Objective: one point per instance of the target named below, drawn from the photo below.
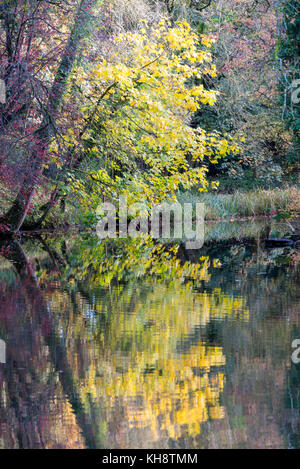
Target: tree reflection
(132, 345)
(37, 378)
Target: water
(127, 345)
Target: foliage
(247, 80)
(246, 204)
(142, 100)
(288, 58)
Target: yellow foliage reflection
(153, 361)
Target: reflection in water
(176, 354)
(152, 361)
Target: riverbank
(283, 203)
(241, 205)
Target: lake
(136, 344)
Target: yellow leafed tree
(138, 109)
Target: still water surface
(125, 357)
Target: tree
(21, 19)
(245, 56)
(142, 98)
(288, 54)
